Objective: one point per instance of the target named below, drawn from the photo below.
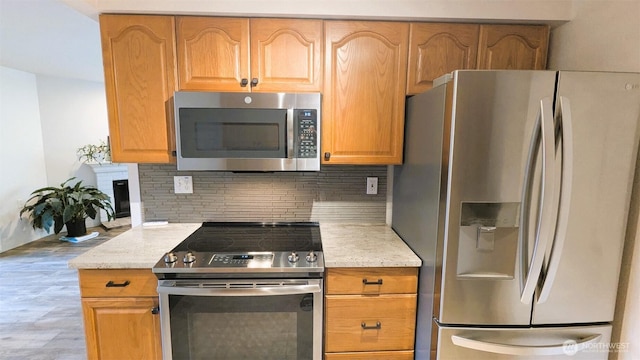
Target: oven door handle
(239, 291)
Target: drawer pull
(367, 282)
(377, 326)
(155, 310)
(112, 284)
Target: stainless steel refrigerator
(515, 192)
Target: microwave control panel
(307, 128)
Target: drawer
(379, 355)
(371, 281)
(117, 283)
(369, 323)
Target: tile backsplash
(336, 194)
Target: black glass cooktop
(253, 236)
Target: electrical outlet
(182, 185)
(372, 185)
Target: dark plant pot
(76, 228)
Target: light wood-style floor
(40, 312)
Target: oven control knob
(311, 256)
(293, 257)
(189, 258)
(170, 258)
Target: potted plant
(66, 205)
(95, 154)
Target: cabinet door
(286, 54)
(513, 47)
(438, 49)
(138, 54)
(213, 53)
(364, 92)
(122, 328)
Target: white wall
(605, 35)
(44, 121)
(22, 165)
(73, 113)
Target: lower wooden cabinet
(122, 328)
(363, 323)
(120, 310)
(380, 355)
(370, 313)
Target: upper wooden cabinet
(364, 92)
(213, 53)
(286, 55)
(438, 49)
(513, 47)
(233, 54)
(139, 66)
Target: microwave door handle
(291, 134)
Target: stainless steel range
(243, 291)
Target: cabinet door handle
(377, 326)
(254, 82)
(367, 282)
(244, 82)
(155, 310)
(327, 155)
(112, 284)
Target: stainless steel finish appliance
(247, 131)
(243, 291)
(515, 193)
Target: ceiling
(48, 37)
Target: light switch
(372, 185)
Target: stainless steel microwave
(247, 132)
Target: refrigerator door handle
(565, 192)
(567, 347)
(545, 224)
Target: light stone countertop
(349, 245)
(138, 248)
(343, 245)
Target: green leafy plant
(57, 206)
(92, 153)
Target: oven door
(241, 319)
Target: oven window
(233, 133)
(276, 327)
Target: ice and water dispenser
(488, 241)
